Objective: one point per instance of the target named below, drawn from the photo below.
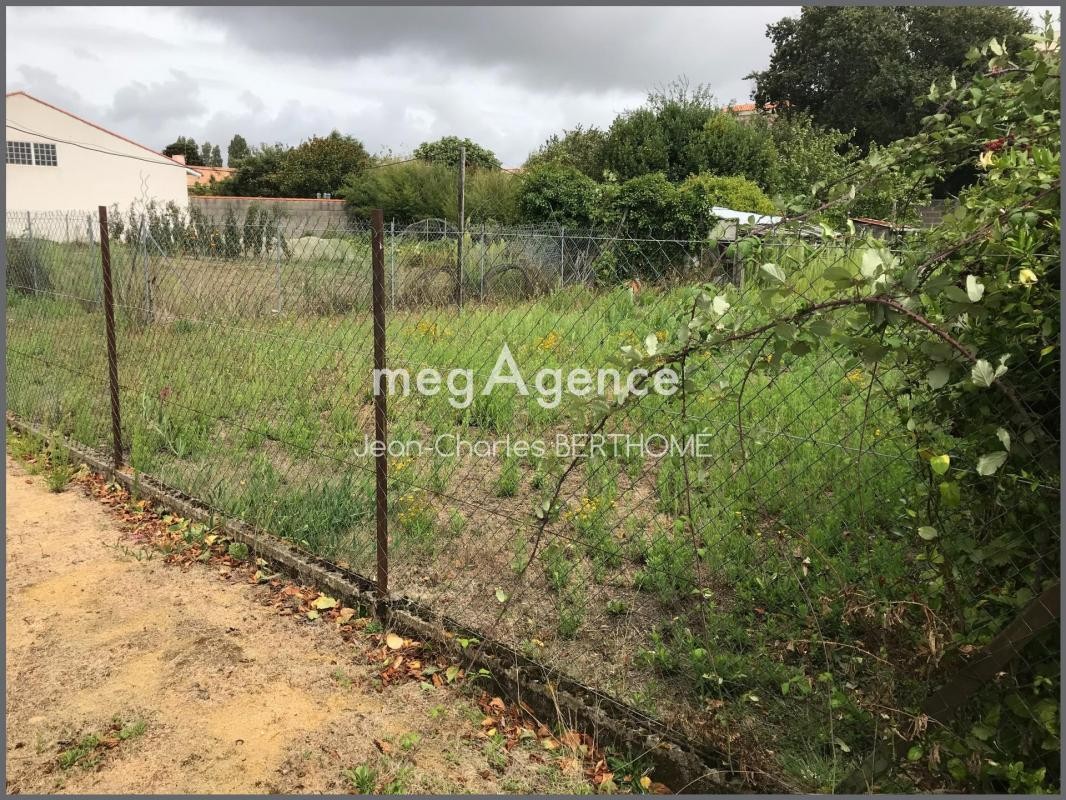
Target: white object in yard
(730, 218)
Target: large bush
(657, 225)
(702, 192)
(730, 146)
(636, 145)
(492, 196)
(405, 192)
(558, 194)
(448, 149)
(580, 148)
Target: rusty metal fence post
(381, 502)
(112, 348)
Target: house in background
(57, 161)
(207, 175)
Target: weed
(557, 565)
(237, 550)
(617, 607)
(363, 779)
(495, 751)
(669, 562)
(80, 752)
(571, 613)
(132, 730)
(341, 678)
(509, 478)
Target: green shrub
(26, 271)
(559, 194)
(701, 192)
(491, 196)
(404, 192)
(729, 146)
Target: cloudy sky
(391, 76)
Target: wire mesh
(737, 559)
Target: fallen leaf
(394, 642)
(345, 615)
(383, 746)
(324, 602)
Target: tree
(446, 151)
(682, 113)
(580, 148)
(321, 165)
(636, 145)
(859, 68)
(559, 194)
(205, 154)
(259, 173)
(730, 146)
(187, 147)
(216, 156)
(237, 151)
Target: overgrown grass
(728, 554)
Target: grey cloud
(170, 101)
(594, 48)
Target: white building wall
(84, 178)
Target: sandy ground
(232, 697)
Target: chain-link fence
(736, 557)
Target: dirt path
(197, 686)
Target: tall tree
(216, 156)
(237, 151)
(579, 148)
(205, 153)
(258, 173)
(860, 68)
(185, 146)
(321, 165)
(446, 151)
(664, 135)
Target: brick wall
(299, 214)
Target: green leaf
(774, 272)
(838, 274)
(720, 305)
(927, 532)
(914, 753)
(984, 374)
(501, 595)
(651, 344)
(871, 263)
(938, 376)
(957, 295)
(940, 464)
(950, 494)
(974, 289)
(1004, 438)
(988, 464)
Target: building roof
(205, 174)
(101, 128)
(749, 108)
